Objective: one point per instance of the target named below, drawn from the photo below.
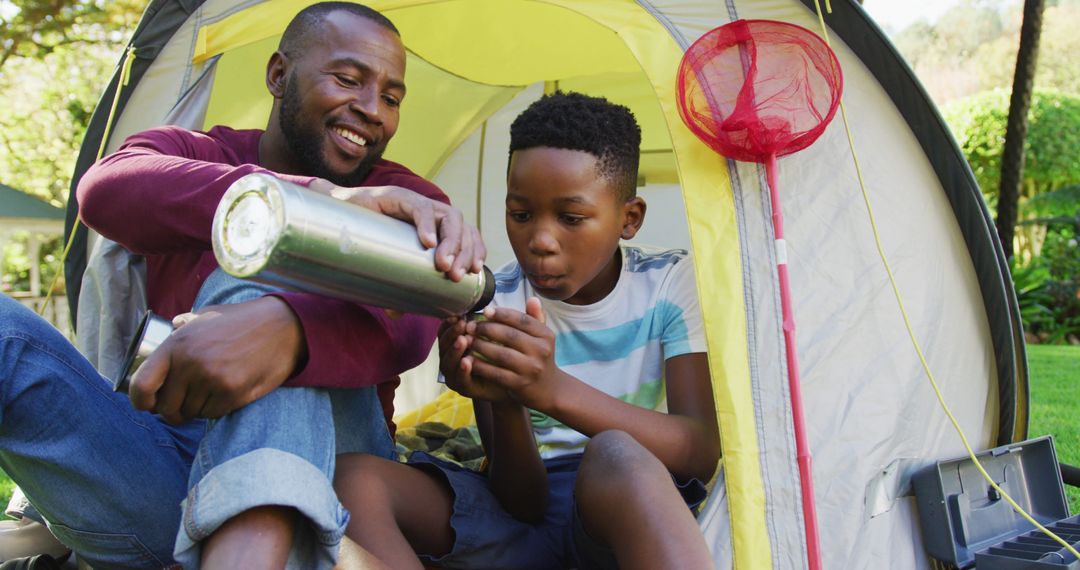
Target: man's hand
(225, 357)
(460, 248)
(516, 351)
(456, 366)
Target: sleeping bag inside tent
(872, 418)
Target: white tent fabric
(872, 416)
(867, 400)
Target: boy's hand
(518, 354)
(459, 247)
(456, 366)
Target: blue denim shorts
(486, 536)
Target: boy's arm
(520, 351)
(517, 474)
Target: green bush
(978, 123)
(1048, 287)
(15, 265)
(1049, 308)
(1046, 270)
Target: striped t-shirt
(618, 344)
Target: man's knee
(220, 288)
(294, 420)
(16, 318)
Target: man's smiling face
(342, 97)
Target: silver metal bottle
(275, 232)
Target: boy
(585, 360)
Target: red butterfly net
(756, 90)
(753, 89)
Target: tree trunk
(1012, 160)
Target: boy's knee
(617, 474)
(613, 450)
(616, 461)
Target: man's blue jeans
(110, 479)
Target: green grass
(1055, 403)
(1055, 408)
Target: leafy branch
(37, 28)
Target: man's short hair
(305, 25)
(591, 124)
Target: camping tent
(872, 417)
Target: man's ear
(277, 74)
(633, 217)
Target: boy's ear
(276, 74)
(633, 217)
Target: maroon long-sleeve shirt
(157, 195)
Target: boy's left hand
(520, 354)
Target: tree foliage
(36, 28)
(972, 48)
(978, 122)
(15, 266)
(1012, 161)
(55, 59)
(1046, 270)
(42, 126)
(1048, 286)
(1059, 69)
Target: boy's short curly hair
(594, 125)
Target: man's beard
(306, 143)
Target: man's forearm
(167, 188)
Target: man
(110, 479)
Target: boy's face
(564, 221)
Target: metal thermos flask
(272, 231)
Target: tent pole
(480, 175)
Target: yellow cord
(125, 77)
(907, 322)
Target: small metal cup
(152, 331)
